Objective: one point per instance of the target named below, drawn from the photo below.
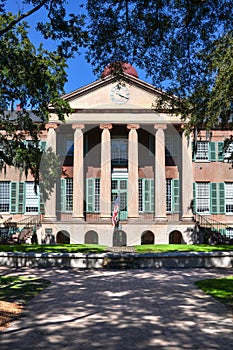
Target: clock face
(119, 94)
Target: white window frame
(69, 194)
(203, 197)
(229, 197)
(202, 151)
(229, 232)
(5, 196)
(32, 205)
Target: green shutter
(213, 198)
(220, 151)
(21, 198)
(63, 195)
(148, 195)
(175, 196)
(17, 197)
(194, 198)
(90, 195)
(212, 151)
(43, 145)
(221, 188)
(14, 197)
(41, 204)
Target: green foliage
(21, 289)
(185, 46)
(219, 288)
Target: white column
(160, 176)
(133, 171)
(50, 203)
(187, 178)
(105, 181)
(78, 173)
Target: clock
(119, 94)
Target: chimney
(18, 107)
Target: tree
(184, 45)
(33, 78)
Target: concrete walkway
(121, 310)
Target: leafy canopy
(186, 46)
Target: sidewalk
(121, 310)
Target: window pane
(202, 152)
(32, 198)
(169, 195)
(4, 197)
(229, 197)
(69, 194)
(203, 197)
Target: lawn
(165, 248)
(15, 291)
(53, 248)
(95, 248)
(219, 288)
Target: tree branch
(21, 17)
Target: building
(116, 146)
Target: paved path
(121, 310)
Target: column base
(78, 218)
(49, 218)
(160, 219)
(187, 218)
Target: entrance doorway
(120, 189)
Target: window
(229, 197)
(66, 191)
(172, 196)
(172, 145)
(229, 232)
(146, 195)
(202, 151)
(168, 195)
(31, 198)
(93, 195)
(69, 195)
(205, 151)
(119, 150)
(202, 197)
(4, 197)
(228, 152)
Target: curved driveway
(121, 310)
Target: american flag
(115, 212)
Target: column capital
(78, 126)
(51, 126)
(133, 126)
(105, 126)
(160, 126)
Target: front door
(119, 188)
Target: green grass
(219, 288)
(20, 289)
(95, 248)
(165, 248)
(54, 248)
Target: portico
(120, 147)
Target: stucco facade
(116, 144)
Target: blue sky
(79, 71)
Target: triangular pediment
(128, 93)
(112, 100)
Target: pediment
(108, 93)
(131, 98)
